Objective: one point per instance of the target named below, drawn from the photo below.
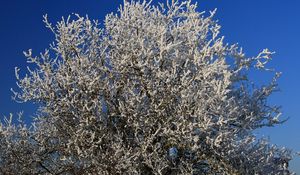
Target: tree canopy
(154, 91)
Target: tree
(156, 91)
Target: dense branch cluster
(156, 91)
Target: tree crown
(156, 91)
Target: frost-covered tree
(154, 91)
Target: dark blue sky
(254, 24)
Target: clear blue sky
(254, 24)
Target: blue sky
(254, 24)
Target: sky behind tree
(254, 24)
